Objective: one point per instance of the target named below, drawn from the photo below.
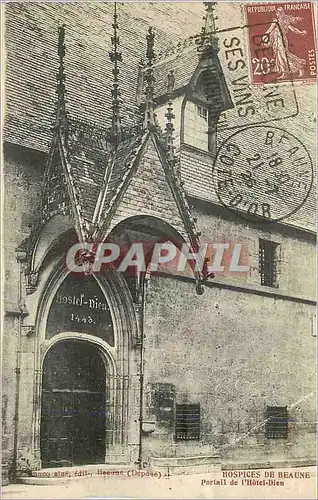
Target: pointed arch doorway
(73, 408)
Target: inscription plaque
(79, 305)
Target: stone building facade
(155, 370)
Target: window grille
(268, 262)
(187, 422)
(276, 426)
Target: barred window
(187, 422)
(268, 252)
(276, 422)
(163, 401)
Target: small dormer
(190, 75)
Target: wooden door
(73, 409)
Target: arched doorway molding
(127, 321)
(106, 351)
(111, 378)
(116, 292)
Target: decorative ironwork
(169, 139)
(115, 57)
(61, 115)
(187, 422)
(268, 262)
(149, 121)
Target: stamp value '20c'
(281, 42)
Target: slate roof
(204, 188)
(88, 186)
(97, 170)
(30, 83)
(160, 190)
(119, 167)
(30, 74)
(183, 60)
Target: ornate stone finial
(32, 282)
(115, 57)
(140, 82)
(208, 41)
(149, 121)
(60, 78)
(86, 259)
(169, 139)
(170, 81)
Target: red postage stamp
(281, 40)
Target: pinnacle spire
(115, 57)
(149, 119)
(169, 139)
(209, 40)
(60, 78)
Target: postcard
(159, 241)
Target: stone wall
(235, 349)
(22, 178)
(296, 254)
(234, 353)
